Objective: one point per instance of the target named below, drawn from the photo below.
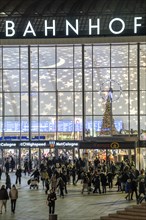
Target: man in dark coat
(18, 175)
(51, 201)
(3, 198)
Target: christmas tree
(108, 126)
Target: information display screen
(48, 126)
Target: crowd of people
(56, 174)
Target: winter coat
(13, 193)
(128, 187)
(142, 187)
(18, 172)
(4, 194)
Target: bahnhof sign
(73, 80)
(70, 30)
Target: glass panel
(34, 103)
(77, 57)
(48, 128)
(120, 76)
(12, 103)
(65, 57)
(119, 124)
(24, 57)
(11, 80)
(24, 128)
(34, 127)
(142, 78)
(119, 55)
(143, 102)
(120, 106)
(47, 57)
(34, 80)
(98, 104)
(47, 103)
(78, 126)
(64, 80)
(88, 126)
(132, 55)
(78, 79)
(88, 79)
(65, 128)
(24, 104)
(143, 55)
(88, 56)
(133, 78)
(65, 103)
(47, 80)
(134, 125)
(100, 76)
(97, 122)
(125, 123)
(24, 80)
(34, 57)
(101, 56)
(78, 103)
(1, 80)
(1, 104)
(143, 127)
(1, 128)
(88, 103)
(133, 103)
(11, 127)
(11, 57)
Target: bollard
(52, 217)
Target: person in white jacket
(13, 193)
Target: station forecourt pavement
(31, 203)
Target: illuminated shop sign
(8, 145)
(115, 145)
(49, 28)
(107, 145)
(33, 144)
(66, 144)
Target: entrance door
(66, 153)
(11, 155)
(47, 153)
(24, 155)
(35, 157)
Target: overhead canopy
(36, 11)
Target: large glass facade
(68, 92)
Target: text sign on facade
(74, 28)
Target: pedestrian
(61, 186)
(8, 181)
(12, 164)
(128, 189)
(142, 188)
(36, 174)
(3, 198)
(44, 177)
(134, 188)
(7, 166)
(18, 175)
(51, 201)
(13, 196)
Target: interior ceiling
(67, 7)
